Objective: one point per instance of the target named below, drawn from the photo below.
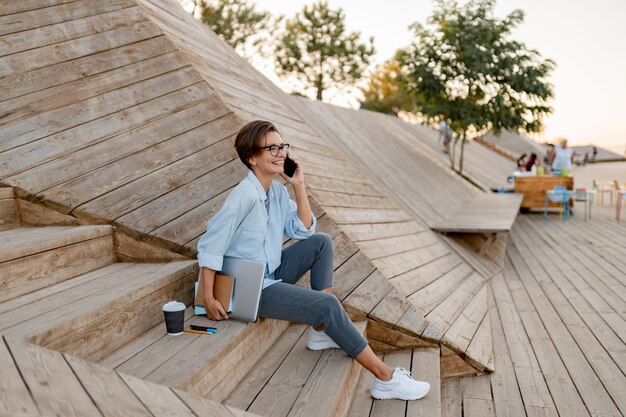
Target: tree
(317, 50)
(238, 23)
(469, 72)
(386, 91)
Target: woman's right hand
(215, 310)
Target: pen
(197, 331)
(203, 328)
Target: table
(534, 189)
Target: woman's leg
(303, 305)
(315, 254)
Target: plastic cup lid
(173, 306)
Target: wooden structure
(534, 189)
(116, 132)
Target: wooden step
(291, 380)
(37, 257)
(61, 384)
(96, 313)
(9, 217)
(197, 363)
(424, 366)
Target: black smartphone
(289, 167)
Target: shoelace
(402, 375)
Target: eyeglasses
(275, 149)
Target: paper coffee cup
(174, 317)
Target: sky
(586, 39)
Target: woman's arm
(302, 201)
(214, 309)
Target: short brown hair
(249, 139)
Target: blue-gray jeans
(287, 301)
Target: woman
(251, 224)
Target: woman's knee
(330, 307)
(324, 241)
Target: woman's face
(264, 163)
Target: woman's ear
(252, 161)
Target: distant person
(446, 134)
(595, 153)
(521, 162)
(563, 157)
(549, 157)
(585, 158)
(532, 161)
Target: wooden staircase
(64, 288)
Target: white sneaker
(320, 340)
(401, 386)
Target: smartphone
(289, 167)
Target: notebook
(246, 289)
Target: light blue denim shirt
(251, 225)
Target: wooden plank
(146, 180)
(372, 231)
(77, 48)
(109, 104)
(442, 316)
(350, 274)
(6, 192)
(335, 199)
(23, 242)
(564, 392)
(239, 361)
(452, 366)
(32, 214)
(425, 367)
(451, 398)
(564, 323)
(131, 250)
(362, 401)
(51, 34)
(27, 274)
(158, 399)
(504, 384)
(203, 407)
(245, 392)
(281, 391)
(26, 299)
(54, 77)
(390, 408)
(9, 217)
(323, 183)
(185, 109)
(121, 153)
(344, 215)
(42, 370)
(165, 209)
(15, 398)
(26, 5)
(480, 349)
(395, 265)
(429, 297)
(39, 17)
(382, 248)
(107, 390)
(416, 279)
(391, 309)
(367, 295)
(531, 383)
(329, 388)
(465, 326)
(387, 338)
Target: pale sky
(587, 39)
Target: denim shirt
(251, 225)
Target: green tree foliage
(317, 50)
(468, 70)
(386, 91)
(239, 24)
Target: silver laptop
(247, 289)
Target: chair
(621, 196)
(581, 195)
(559, 195)
(602, 187)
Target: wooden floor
(558, 315)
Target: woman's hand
(298, 176)
(214, 309)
